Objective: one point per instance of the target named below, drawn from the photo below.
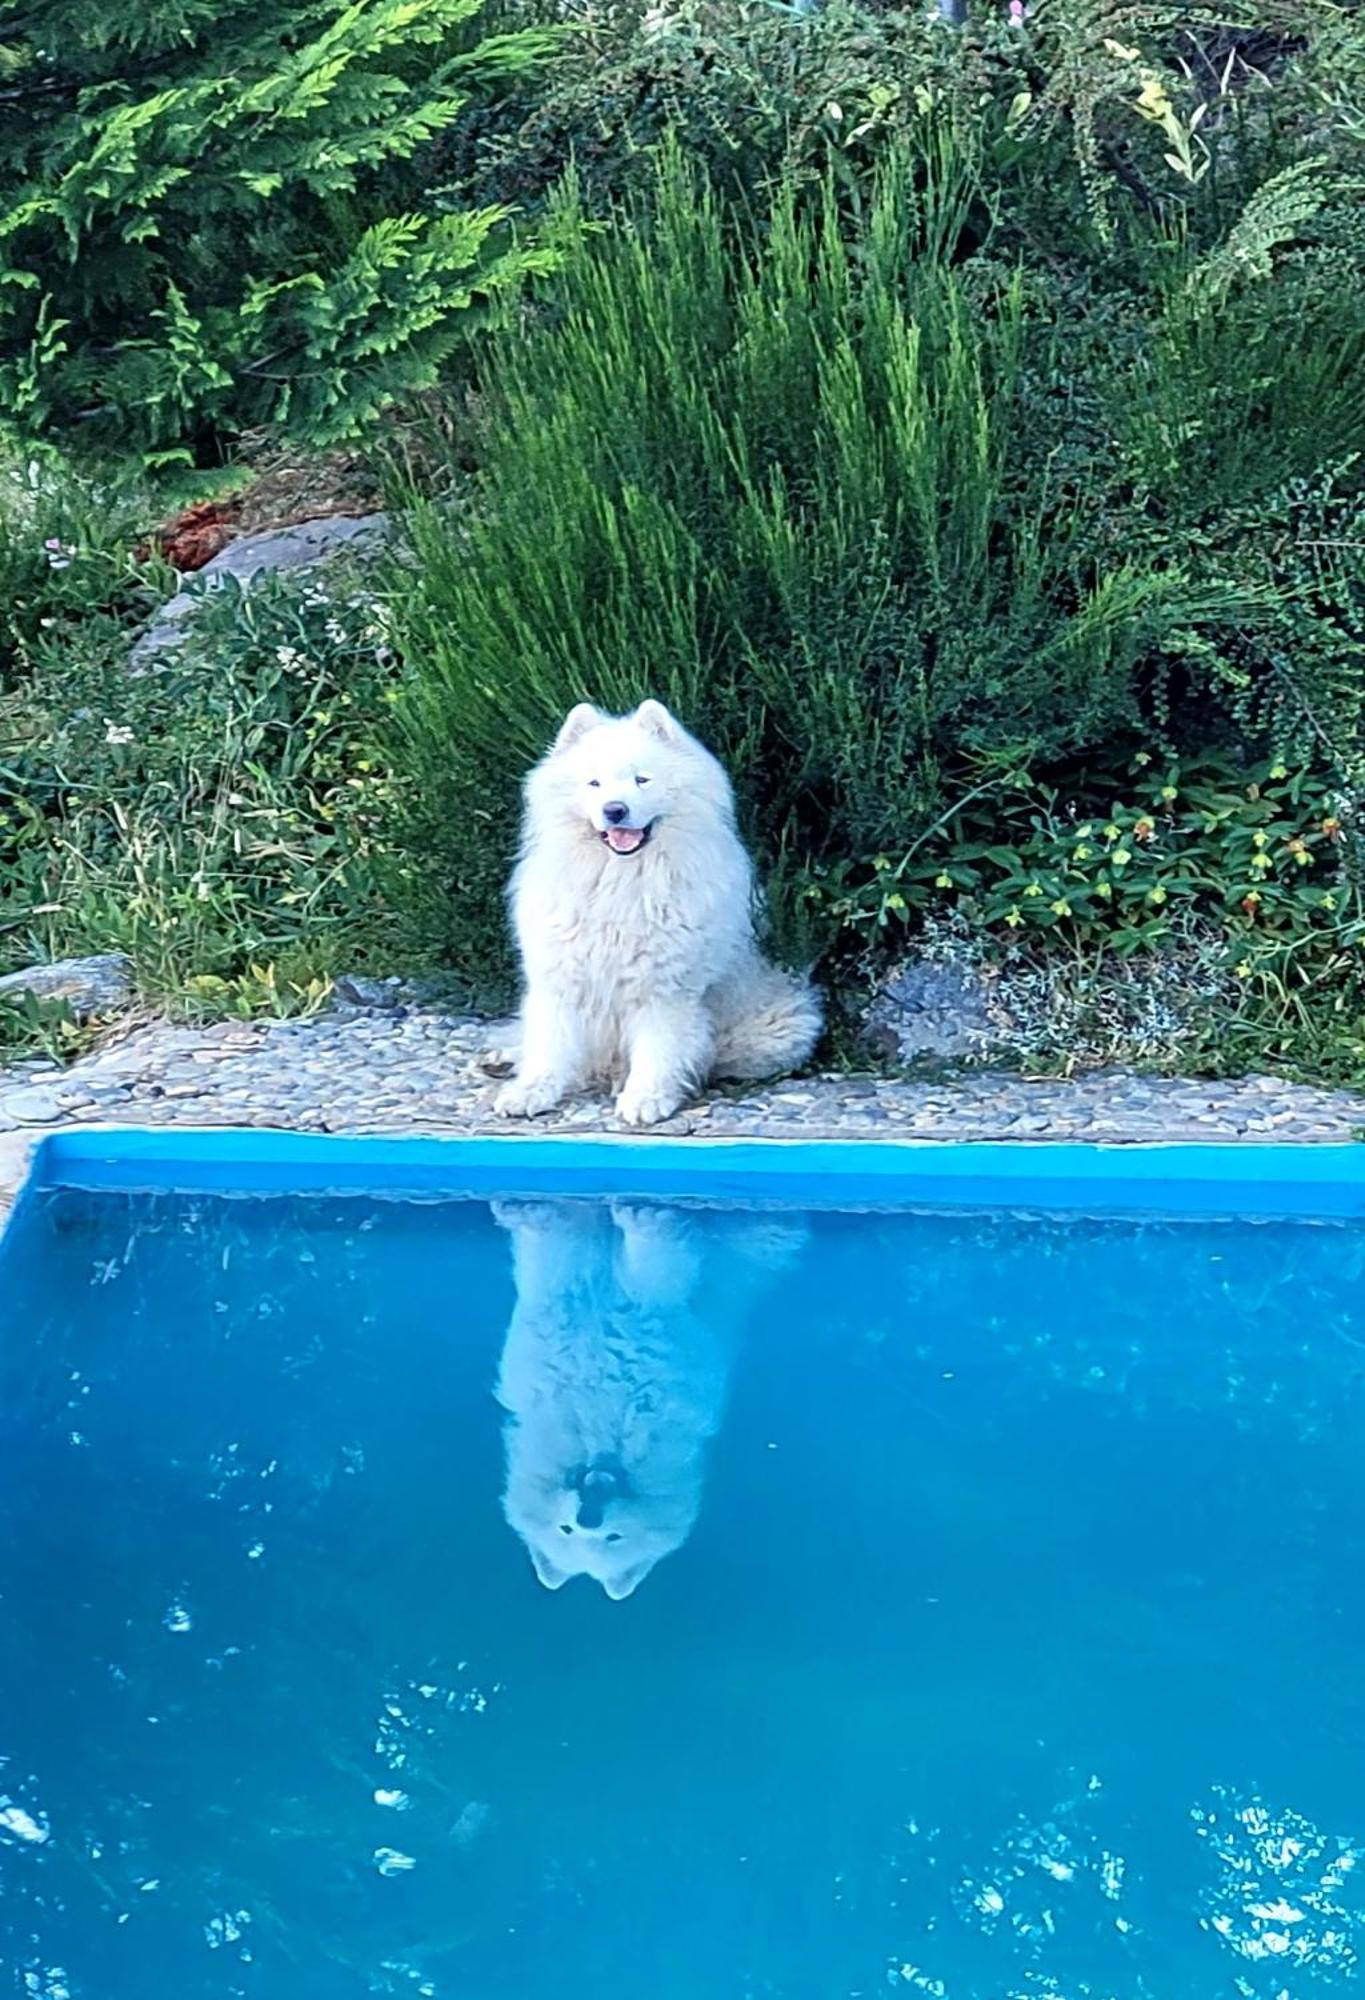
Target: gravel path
(370, 1070)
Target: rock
(31, 1107)
(89, 986)
(394, 995)
(296, 547)
(353, 990)
(922, 1008)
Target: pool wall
(1259, 1181)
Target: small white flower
(117, 732)
(288, 657)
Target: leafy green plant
(29, 1025)
(209, 218)
(1269, 857)
(217, 817)
(67, 553)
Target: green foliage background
(216, 215)
(963, 429)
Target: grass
(218, 818)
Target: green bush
(218, 817)
(1103, 109)
(880, 520)
(1272, 858)
(209, 218)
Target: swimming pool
(555, 1568)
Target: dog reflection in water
(614, 1371)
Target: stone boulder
(252, 556)
(89, 986)
(924, 1009)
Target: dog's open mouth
(627, 839)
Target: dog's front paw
(527, 1097)
(646, 1105)
(542, 1217)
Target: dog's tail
(774, 1027)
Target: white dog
(614, 1371)
(633, 905)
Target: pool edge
(1266, 1178)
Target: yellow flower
(1105, 889)
(1169, 792)
(1278, 771)
(1014, 919)
(1243, 970)
(1157, 895)
(895, 902)
(1121, 857)
(1259, 839)
(1061, 908)
(943, 881)
(1261, 861)
(1143, 757)
(1329, 901)
(1111, 832)
(1034, 889)
(1082, 852)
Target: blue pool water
(965, 1604)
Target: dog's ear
(577, 723)
(549, 1574)
(655, 720)
(628, 1582)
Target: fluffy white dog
(633, 905)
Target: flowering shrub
(1269, 855)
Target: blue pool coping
(1262, 1180)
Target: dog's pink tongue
(624, 839)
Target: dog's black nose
(596, 1487)
(615, 812)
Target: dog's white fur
(614, 1372)
(640, 960)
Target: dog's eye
(639, 780)
(595, 784)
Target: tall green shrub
(820, 495)
(209, 217)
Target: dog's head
(621, 779)
(597, 1520)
